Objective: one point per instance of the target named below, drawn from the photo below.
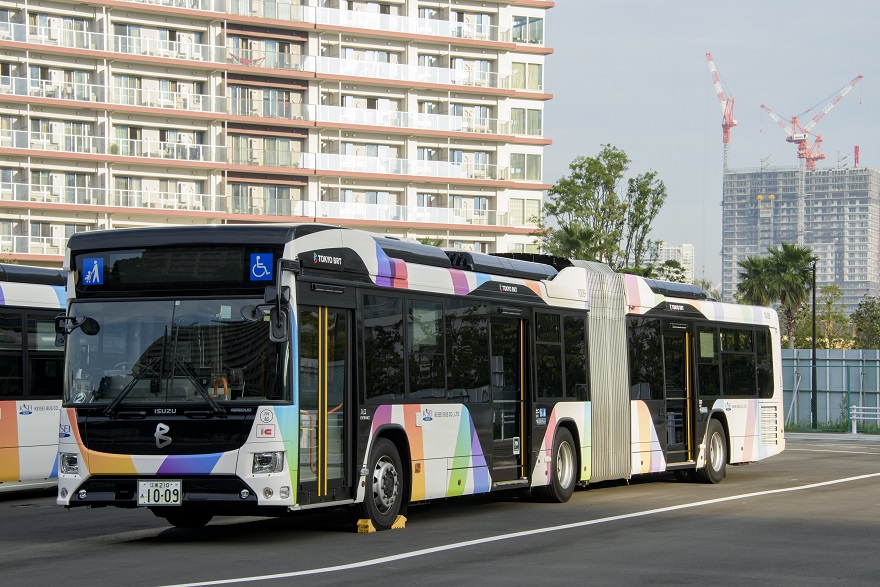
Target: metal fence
(843, 379)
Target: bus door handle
(199, 414)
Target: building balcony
(166, 99)
(392, 166)
(52, 36)
(173, 151)
(409, 73)
(414, 120)
(285, 10)
(396, 213)
(169, 49)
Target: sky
(634, 74)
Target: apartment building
(683, 254)
(409, 117)
(841, 211)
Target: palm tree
(754, 282)
(790, 278)
(784, 278)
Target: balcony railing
(269, 59)
(57, 37)
(269, 157)
(68, 143)
(33, 245)
(387, 165)
(175, 151)
(285, 10)
(270, 109)
(407, 72)
(166, 99)
(169, 49)
(22, 86)
(388, 118)
(261, 205)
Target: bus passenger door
(323, 397)
(508, 383)
(679, 379)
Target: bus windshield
(171, 351)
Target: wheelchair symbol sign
(261, 267)
(93, 271)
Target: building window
(526, 122)
(525, 166)
(528, 30)
(527, 76)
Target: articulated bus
(31, 375)
(265, 369)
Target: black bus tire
(386, 486)
(715, 468)
(563, 469)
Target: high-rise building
(841, 211)
(684, 254)
(415, 118)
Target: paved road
(807, 517)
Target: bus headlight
(68, 463)
(268, 462)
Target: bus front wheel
(563, 469)
(716, 454)
(386, 486)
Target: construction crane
(807, 154)
(800, 135)
(727, 121)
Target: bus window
(45, 360)
(549, 355)
(765, 364)
(645, 359)
(738, 368)
(708, 362)
(427, 363)
(575, 334)
(11, 354)
(467, 330)
(383, 347)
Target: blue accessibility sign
(93, 271)
(261, 267)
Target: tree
(707, 286)
(784, 278)
(754, 282)
(596, 222)
(791, 278)
(832, 325)
(866, 324)
(670, 270)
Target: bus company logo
(427, 415)
(676, 307)
(326, 259)
(165, 411)
(447, 414)
(25, 410)
(266, 431)
(507, 288)
(728, 406)
(64, 431)
(160, 435)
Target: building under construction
(841, 224)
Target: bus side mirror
(277, 325)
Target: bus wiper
(216, 408)
(148, 369)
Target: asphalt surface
(807, 517)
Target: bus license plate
(152, 493)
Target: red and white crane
(799, 135)
(807, 154)
(727, 120)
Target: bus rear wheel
(563, 469)
(716, 454)
(386, 486)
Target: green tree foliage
(866, 324)
(670, 270)
(832, 325)
(595, 220)
(784, 277)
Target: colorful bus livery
(30, 375)
(263, 369)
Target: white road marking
(512, 535)
(850, 452)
